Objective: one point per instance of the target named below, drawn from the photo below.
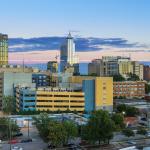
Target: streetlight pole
(28, 127)
(9, 135)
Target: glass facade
(3, 49)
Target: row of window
(61, 101)
(55, 106)
(44, 95)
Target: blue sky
(129, 19)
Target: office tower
(3, 49)
(96, 67)
(138, 69)
(67, 54)
(52, 66)
(125, 67)
(147, 73)
(110, 65)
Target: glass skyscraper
(67, 54)
(3, 49)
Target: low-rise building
(129, 89)
(9, 79)
(25, 97)
(41, 79)
(54, 99)
(17, 69)
(98, 94)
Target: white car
(17, 148)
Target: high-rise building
(52, 66)
(110, 65)
(3, 49)
(67, 54)
(138, 69)
(147, 73)
(125, 67)
(95, 67)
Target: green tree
(121, 108)
(8, 104)
(42, 122)
(118, 78)
(141, 131)
(118, 120)
(128, 110)
(131, 111)
(128, 132)
(147, 88)
(57, 134)
(7, 126)
(133, 77)
(100, 127)
(71, 129)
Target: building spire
(69, 35)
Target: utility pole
(9, 135)
(28, 127)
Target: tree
(131, 111)
(42, 122)
(133, 77)
(119, 121)
(100, 127)
(128, 132)
(8, 104)
(128, 110)
(57, 134)
(141, 131)
(121, 108)
(7, 125)
(147, 88)
(71, 129)
(118, 78)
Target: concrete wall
(9, 79)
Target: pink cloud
(45, 56)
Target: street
(37, 143)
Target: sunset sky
(125, 19)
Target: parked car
(17, 148)
(131, 142)
(26, 140)
(50, 146)
(13, 141)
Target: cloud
(82, 44)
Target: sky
(97, 18)
(128, 20)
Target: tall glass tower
(3, 49)
(67, 53)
